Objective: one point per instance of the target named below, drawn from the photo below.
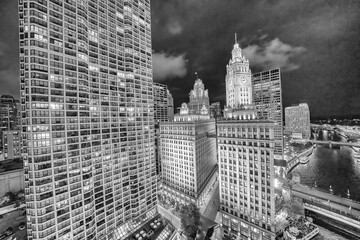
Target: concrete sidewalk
(10, 208)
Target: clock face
(243, 80)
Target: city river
(335, 167)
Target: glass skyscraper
(88, 125)
(268, 101)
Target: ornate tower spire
(236, 39)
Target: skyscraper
(268, 101)
(170, 106)
(246, 173)
(188, 159)
(9, 117)
(246, 158)
(238, 79)
(88, 124)
(297, 121)
(160, 102)
(163, 105)
(188, 150)
(239, 92)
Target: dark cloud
(315, 43)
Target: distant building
(170, 106)
(163, 112)
(246, 173)
(188, 159)
(199, 99)
(11, 144)
(215, 110)
(297, 121)
(160, 93)
(268, 102)
(10, 118)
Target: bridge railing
(352, 213)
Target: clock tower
(238, 80)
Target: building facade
(268, 102)
(170, 106)
(188, 159)
(10, 118)
(199, 99)
(88, 120)
(297, 120)
(238, 80)
(215, 110)
(11, 144)
(160, 102)
(246, 173)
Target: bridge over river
(341, 209)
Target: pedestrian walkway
(10, 208)
(210, 199)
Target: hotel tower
(87, 109)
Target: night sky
(315, 43)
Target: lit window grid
(187, 158)
(236, 194)
(267, 96)
(95, 138)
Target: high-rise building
(239, 96)
(238, 80)
(11, 140)
(199, 99)
(188, 150)
(160, 102)
(9, 118)
(88, 121)
(246, 173)
(188, 159)
(297, 121)
(268, 101)
(163, 112)
(170, 104)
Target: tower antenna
(236, 39)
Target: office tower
(297, 121)
(163, 112)
(170, 105)
(188, 159)
(215, 110)
(11, 140)
(9, 116)
(246, 173)
(199, 99)
(188, 150)
(88, 125)
(238, 79)
(239, 97)
(160, 102)
(268, 101)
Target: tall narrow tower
(88, 125)
(238, 79)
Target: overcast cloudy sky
(316, 43)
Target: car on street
(22, 226)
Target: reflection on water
(335, 167)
